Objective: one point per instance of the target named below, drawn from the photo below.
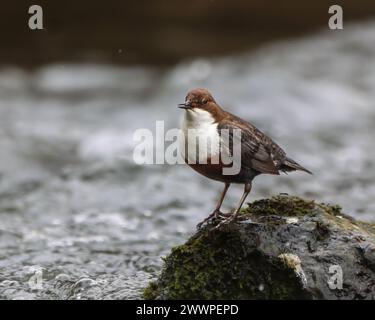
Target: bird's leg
(234, 215)
(216, 213)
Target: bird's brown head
(198, 98)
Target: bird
(259, 154)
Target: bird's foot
(222, 216)
(227, 220)
(217, 214)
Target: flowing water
(79, 219)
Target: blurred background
(75, 206)
(160, 32)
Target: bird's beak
(186, 105)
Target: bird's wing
(258, 152)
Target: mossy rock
(280, 248)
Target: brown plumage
(259, 153)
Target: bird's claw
(222, 216)
(226, 221)
(217, 214)
(199, 225)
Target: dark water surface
(73, 204)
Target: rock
(290, 249)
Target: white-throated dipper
(204, 118)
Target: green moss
(337, 218)
(151, 291)
(281, 206)
(222, 269)
(333, 210)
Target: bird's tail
(290, 165)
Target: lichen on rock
(280, 248)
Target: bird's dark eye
(204, 101)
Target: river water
(79, 219)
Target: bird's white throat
(197, 118)
(201, 137)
